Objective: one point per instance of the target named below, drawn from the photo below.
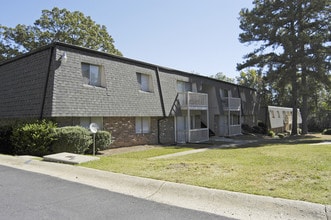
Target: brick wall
(124, 133)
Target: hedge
(102, 142)
(33, 138)
(72, 139)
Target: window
(143, 125)
(234, 118)
(183, 86)
(144, 82)
(92, 75)
(243, 96)
(225, 93)
(86, 121)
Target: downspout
(241, 107)
(162, 104)
(46, 83)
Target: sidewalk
(230, 204)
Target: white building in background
(279, 119)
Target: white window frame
(143, 125)
(145, 82)
(93, 75)
(183, 86)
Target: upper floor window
(184, 86)
(92, 75)
(225, 93)
(243, 96)
(145, 82)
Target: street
(28, 195)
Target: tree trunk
(304, 110)
(294, 103)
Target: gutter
(162, 104)
(46, 82)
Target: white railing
(193, 135)
(198, 135)
(232, 103)
(193, 100)
(234, 130)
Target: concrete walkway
(230, 204)
(232, 143)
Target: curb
(220, 202)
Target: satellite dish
(94, 128)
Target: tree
(253, 79)
(56, 25)
(293, 40)
(221, 76)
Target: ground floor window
(234, 119)
(86, 121)
(143, 125)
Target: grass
(294, 170)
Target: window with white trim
(184, 86)
(92, 75)
(145, 82)
(143, 125)
(86, 121)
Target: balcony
(198, 135)
(193, 135)
(193, 100)
(234, 130)
(232, 104)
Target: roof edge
(61, 44)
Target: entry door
(223, 125)
(181, 129)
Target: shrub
(327, 131)
(281, 135)
(102, 141)
(33, 138)
(72, 139)
(271, 133)
(5, 143)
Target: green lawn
(299, 171)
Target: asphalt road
(28, 195)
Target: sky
(195, 36)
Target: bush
(271, 133)
(281, 135)
(33, 138)
(72, 139)
(5, 143)
(102, 141)
(327, 131)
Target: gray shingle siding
(22, 86)
(23, 80)
(120, 97)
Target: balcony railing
(234, 130)
(193, 135)
(193, 100)
(231, 103)
(198, 135)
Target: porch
(193, 135)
